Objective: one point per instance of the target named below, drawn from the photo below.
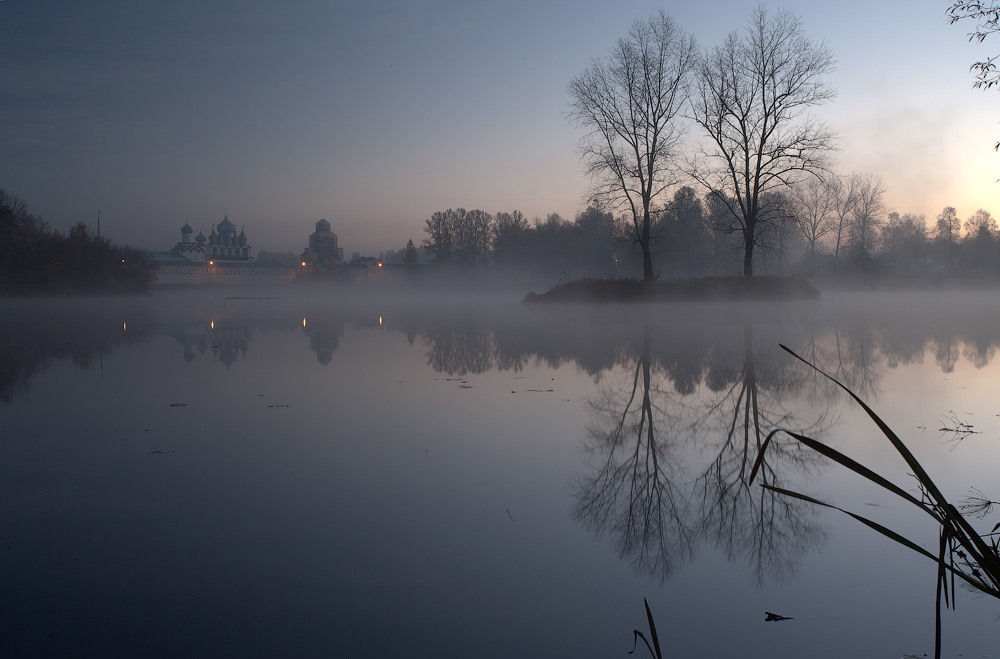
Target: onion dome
(242, 240)
(226, 227)
(200, 239)
(186, 229)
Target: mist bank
(464, 333)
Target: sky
(375, 114)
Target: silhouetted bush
(34, 258)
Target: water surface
(203, 473)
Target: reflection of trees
(462, 349)
(34, 334)
(766, 530)
(633, 497)
(638, 498)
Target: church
(322, 251)
(225, 258)
(222, 244)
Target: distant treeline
(35, 258)
(835, 228)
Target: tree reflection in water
(634, 497)
(768, 532)
(643, 496)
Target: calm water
(200, 475)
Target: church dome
(200, 239)
(186, 229)
(225, 226)
(322, 225)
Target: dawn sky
(374, 114)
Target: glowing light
(303, 264)
(380, 265)
(211, 262)
(212, 324)
(303, 322)
(380, 320)
(123, 260)
(124, 327)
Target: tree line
(832, 226)
(754, 191)
(35, 258)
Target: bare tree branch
(630, 103)
(751, 100)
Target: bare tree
(949, 226)
(981, 222)
(440, 241)
(904, 239)
(509, 231)
(845, 197)
(867, 216)
(480, 225)
(947, 231)
(630, 104)
(752, 96)
(814, 212)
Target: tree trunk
(748, 253)
(647, 260)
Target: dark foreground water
(214, 474)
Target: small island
(709, 289)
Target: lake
(312, 473)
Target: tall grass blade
(981, 568)
(897, 443)
(636, 635)
(652, 630)
(946, 514)
(887, 532)
(847, 462)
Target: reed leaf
(981, 568)
(636, 635)
(845, 461)
(652, 630)
(887, 532)
(897, 443)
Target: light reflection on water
(299, 477)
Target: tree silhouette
(629, 103)
(752, 95)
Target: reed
(963, 553)
(654, 649)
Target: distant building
(222, 244)
(225, 245)
(322, 251)
(367, 267)
(223, 258)
(193, 249)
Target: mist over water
(279, 472)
